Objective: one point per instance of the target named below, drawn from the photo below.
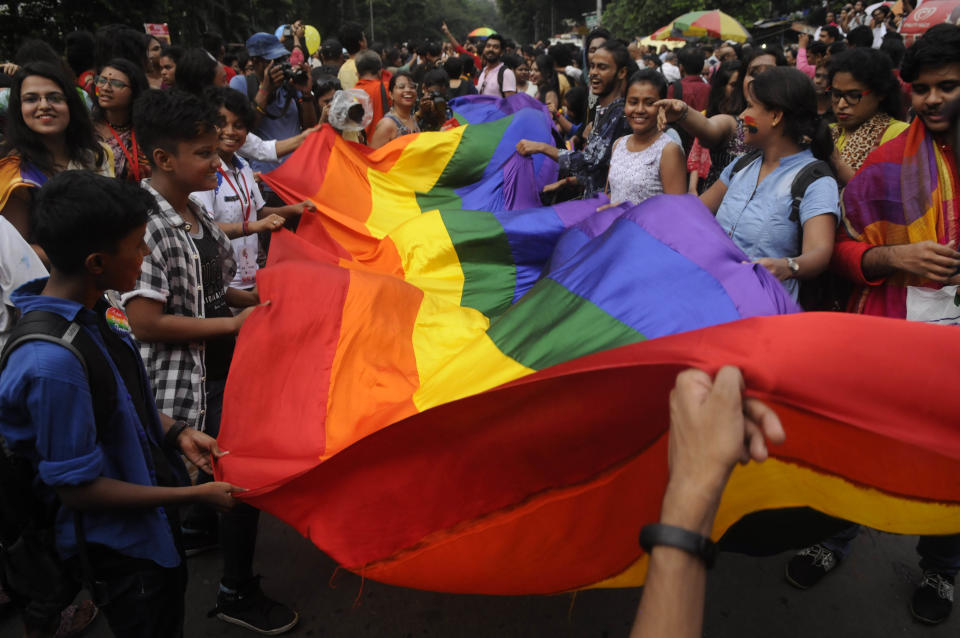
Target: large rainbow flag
(476, 400)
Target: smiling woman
(48, 131)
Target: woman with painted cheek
(118, 85)
(647, 162)
(48, 131)
(866, 102)
(753, 200)
(721, 131)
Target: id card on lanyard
(246, 192)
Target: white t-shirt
(258, 149)
(235, 199)
(19, 264)
(487, 82)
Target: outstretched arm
(712, 132)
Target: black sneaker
(933, 598)
(810, 565)
(251, 609)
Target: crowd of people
(131, 166)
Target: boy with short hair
(180, 313)
(92, 228)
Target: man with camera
(280, 93)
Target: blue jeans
(938, 553)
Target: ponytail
(791, 92)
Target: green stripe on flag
(467, 164)
(550, 325)
(489, 275)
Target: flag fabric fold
(474, 398)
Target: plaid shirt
(171, 275)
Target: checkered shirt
(171, 274)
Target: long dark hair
(718, 101)
(81, 143)
(873, 68)
(136, 78)
(791, 92)
(548, 77)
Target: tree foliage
(236, 20)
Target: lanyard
(132, 161)
(246, 211)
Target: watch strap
(170, 438)
(690, 542)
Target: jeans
(937, 553)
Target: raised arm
(712, 132)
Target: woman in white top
(647, 162)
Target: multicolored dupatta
(905, 192)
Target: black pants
(238, 527)
(146, 602)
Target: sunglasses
(851, 97)
(99, 80)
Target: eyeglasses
(760, 68)
(851, 97)
(99, 80)
(54, 99)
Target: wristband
(170, 438)
(690, 542)
(246, 228)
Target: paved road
(866, 597)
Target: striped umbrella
(714, 24)
(481, 32)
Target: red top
(696, 92)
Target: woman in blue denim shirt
(753, 205)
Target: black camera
(291, 74)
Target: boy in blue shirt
(125, 482)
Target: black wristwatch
(690, 542)
(170, 438)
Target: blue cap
(266, 46)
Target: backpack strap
(743, 161)
(384, 102)
(807, 176)
(500, 73)
(40, 325)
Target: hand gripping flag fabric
(476, 400)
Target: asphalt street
(867, 596)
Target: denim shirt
(46, 414)
(757, 217)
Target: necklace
(409, 122)
(120, 128)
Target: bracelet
(170, 438)
(683, 115)
(246, 228)
(690, 542)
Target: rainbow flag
(476, 400)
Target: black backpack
(827, 291)
(30, 567)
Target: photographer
(433, 112)
(280, 93)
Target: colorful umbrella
(714, 24)
(928, 14)
(481, 32)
